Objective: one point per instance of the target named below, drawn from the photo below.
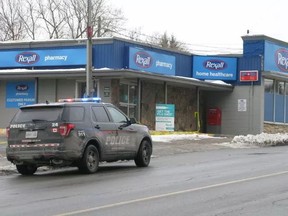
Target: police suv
(75, 132)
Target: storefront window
(269, 88)
(128, 99)
(81, 89)
(279, 87)
(124, 93)
(276, 101)
(132, 94)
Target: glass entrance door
(128, 99)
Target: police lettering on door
(117, 140)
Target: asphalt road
(159, 149)
(220, 182)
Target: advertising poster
(20, 93)
(165, 116)
(242, 105)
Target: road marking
(171, 194)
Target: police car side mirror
(129, 122)
(133, 121)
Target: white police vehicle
(75, 132)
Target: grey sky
(211, 23)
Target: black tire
(26, 169)
(90, 160)
(144, 154)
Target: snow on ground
(262, 140)
(173, 137)
(247, 141)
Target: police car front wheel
(144, 154)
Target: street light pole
(89, 83)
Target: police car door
(126, 133)
(105, 132)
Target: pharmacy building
(166, 90)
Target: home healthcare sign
(165, 116)
(214, 68)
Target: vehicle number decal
(55, 124)
(81, 133)
(117, 140)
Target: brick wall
(185, 100)
(115, 92)
(275, 128)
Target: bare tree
(34, 19)
(10, 23)
(75, 17)
(166, 42)
(176, 45)
(111, 21)
(30, 18)
(51, 13)
(104, 20)
(135, 34)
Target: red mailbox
(214, 116)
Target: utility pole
(89, 83)
(99, 27)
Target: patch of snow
(172, 137)
(217, 82)
(241, 141)
(188, 78)
(261, 140)
(104, 68)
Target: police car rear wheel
(90, 161)
(144, 154)
(26, 169)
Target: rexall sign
(43, 57)
(214, 68)
(276, 57)
(144, 60)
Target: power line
(194, 48)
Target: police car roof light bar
(93, 99)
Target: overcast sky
(212, 23)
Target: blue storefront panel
(269, 107)
(279, 108)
